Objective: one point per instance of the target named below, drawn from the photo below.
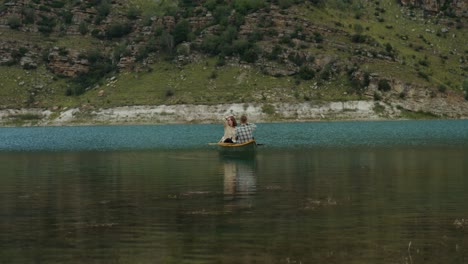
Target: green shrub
(211, 45)
(181, 32)
(275, 52)
(366, 80)
(118, 30)
(358, 38)
(14, 22)
(133, 12)
(296, 59)
(83, 28)
(465, 88)
(104, 8)
(318, 37)
(268, 109)
(142, 53)
(326, 72)
(99, 67)
(166, 42)
(388, 48)
(423, 75)
(305, 73)
(214, 75)
(240, 46)
(56, 4)
(23, 51)
(221, 13)
(17, 54)
(26, 117)
(377, 96)
(183, 50)
(251, 54)
(358, 28)
(284, 4)
(248, 6)
(358, 86)
(169, 93)
(384, 85)
(378, 108)
(67, 16)
(46, 24)
(286, 39)
(255, 36)
(424, 63)
(442, 88)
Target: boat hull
(247, 147)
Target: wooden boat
(237, 150)
(247, 146)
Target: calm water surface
(341, 192)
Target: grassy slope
(204, 83)
(395, 25)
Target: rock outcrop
(450, 7)
(307, 111)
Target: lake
(320, 192)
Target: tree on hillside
(181, 32)
(465, 88)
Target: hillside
(405, 57)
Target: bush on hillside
(318, 37)
(358, 38)
(67, 16)
(465, 88)
(284, 4)
(133, 12)
(326, 72)
(118, 30)
(275, 53)
(211, 45)
(46, 24)
(28, 15)
(251, 54)
(104, 8)
(296, 58)
(248, 6)
(14, 22)
(384, 85)
(181, 32)
(221, 14)
(442, 88)
(83, 28)
(305, 73)
(99, 67)
(358, 86)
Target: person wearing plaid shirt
(244, 132)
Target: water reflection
(329, 205)
(239, 180)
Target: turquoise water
(344, 192)
(340, 134)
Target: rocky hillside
(458, 8)
(405, 55)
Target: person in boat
(230, 125)
(244, 132)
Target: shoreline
(362, 110)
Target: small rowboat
(247, 146)
(237, 149)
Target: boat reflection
(239, 180)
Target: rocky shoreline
(173, 114)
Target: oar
(215, 144)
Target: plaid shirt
(244, 132)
